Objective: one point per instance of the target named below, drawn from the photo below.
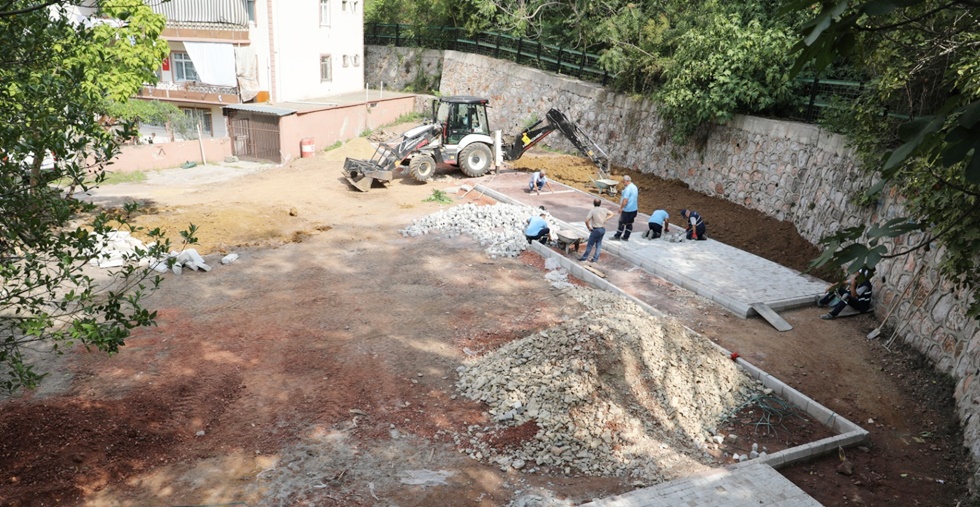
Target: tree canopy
(921, 58)
(57, 77)
(701, 62)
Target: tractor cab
(461, 116)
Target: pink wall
(151, 157)
(339, 123)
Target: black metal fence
(519, 50)
(813, 97)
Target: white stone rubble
(118, 248)
(614, 391)
(498, 228)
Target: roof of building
(261, 109)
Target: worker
(537, 228)
(855, 292)
(696, 228)
(595, 222)
(657, 225)
(628, 207)
(538, 180)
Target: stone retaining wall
(791, 171)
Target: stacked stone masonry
(790, 171)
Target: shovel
(876, 332)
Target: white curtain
(248, 72)
(214, 62)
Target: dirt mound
(614, 391)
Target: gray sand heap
(615, 391)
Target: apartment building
(239, 66)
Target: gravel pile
(612, 392)
(498, 228)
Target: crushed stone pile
(614, 391)
(498, 228)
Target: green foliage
(119, 58)
(440, 197)
(147, 111)
(404, 118)
(334, 146)
(721, 68)
(923, 58)
(54, 86)
(434, 13)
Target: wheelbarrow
(568, 240)
(605, 185)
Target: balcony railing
(191, 92)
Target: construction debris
(614, 391)
(498, 228)
(119, 248)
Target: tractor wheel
(475, 160)
(422, 167)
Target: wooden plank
(594, 271)
(771, 317)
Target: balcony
(191, 92)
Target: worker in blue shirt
(696, 228)
(537, 228)
(657, 224)
(628, 207)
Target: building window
(324, 12)
(250, 8)
(326, 72)
(357, 60)
(353, 8)
(183, 67)
(346, 61)
(200, 117)
(343, 5)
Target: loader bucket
(363, 183)
(362, 173)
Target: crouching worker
(538, 180)
(855, 292)
(537, 228)
(696, 228)
(657, 224)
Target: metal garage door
(255, 136)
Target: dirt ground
(319, 368)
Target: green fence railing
(519, 50)
(813, 96)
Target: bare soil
(319, 368)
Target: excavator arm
(556, 120)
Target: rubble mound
(615, 391)
(499, 228)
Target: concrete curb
(848, 433)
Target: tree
(701, 62)
(56, 78)
(731, 62)
(923, 55)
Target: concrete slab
(771, 317)
(751, 484)
(712, 269)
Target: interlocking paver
(719, 272)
